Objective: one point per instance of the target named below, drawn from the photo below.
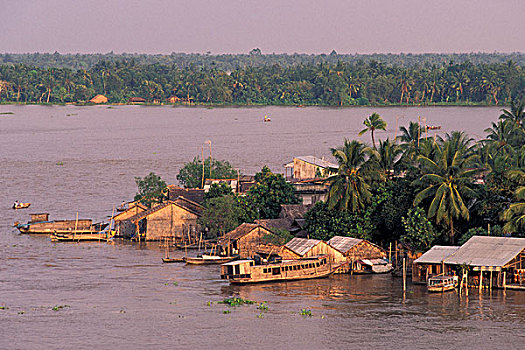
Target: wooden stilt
(480, 280)
(404, 276)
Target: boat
(248, 271)
(84, 237)
(40, 224)
(442, 283)
(173, 260)
(379, 265)
(267, 119)
(209, 260)
(17, 205)
(187, 246)
(433, 127)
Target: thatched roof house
(99, 99)
(302, 247)
(247, 240)
(431, 263)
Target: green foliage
(306, 312)
(495, 230)
(59, 307)
(323, 223)
(236, 301)
(218, 190)
(419, 232)
(151, 189)
(270, 191)
(279, 237)
(221, 215)
(190, 176)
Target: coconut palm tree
(449, 179)
(389, 158)
(516, 114)
(373, 123)
(500, 133)
(410, 138)
(350, 187)
(514, 215)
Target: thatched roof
(193, 194)
(344, 244)
(436, 254)
(99, 99)
(239, 232)
(301, 246)
(487, 251)
(181, 202)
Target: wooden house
(310, 191)
(309, 167)
(362, 256)
(431, 263)
(492, 261)
(247, 240)
(134, 208)
(302, 247)
(99, 99)
(171, 219)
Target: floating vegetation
(70, 115)
(21, 312)
(173, 302)
(210, 302)
(122, 311)
(226, 312)
(306, 312)
(60, 163)
(4, 308)
(5, 113)
(58, 307)
(263, 306)
(175, 283)
(235, 301)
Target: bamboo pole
(480, 279)
(390, 252)
(404, 276)
(76, 225)
(504, 280)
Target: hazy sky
(237, 26)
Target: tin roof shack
(193, 194)
(172, 219)
(309, 167)
(431, 264)
(133, 209)
(302, 248)
(492, 261)
(247, 240)
(362, 256)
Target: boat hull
(282, 279)
(201, 261)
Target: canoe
(173, 260)
(210, 260)
(21, 205)
(84, 237)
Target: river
(68, 159)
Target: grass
(235, 301)
(306, 312)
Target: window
(317, 264)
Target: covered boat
(248, 271)
(442, 283)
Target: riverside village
(427, 207)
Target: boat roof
(436, 254)
(237, 262)
(440, 277)
(487, 251)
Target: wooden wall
(322, 248)
(172, 221)
(247, 245)
(303, 170)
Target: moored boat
(17, 205)
(442, 283)
(84, 237)
(247, 271)
(40, 224)
(209, 260)
(168, 260)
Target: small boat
(442, 283)
(168, 260)
(247, 271)
(40, 224)
(267, 119)
(83, 237)
(433, 127)
(187, 246)
(17, 205)
(210, 260)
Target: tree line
(331, 84)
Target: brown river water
(67, 159)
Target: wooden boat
(168, 260)
(21, 205)
(442, 283)
(187, 246)
(247, 271)
(431, 127)
(209, 260)
(40, 224)
(84, 237)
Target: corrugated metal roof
(487, 251)
(301, 246)
(318, 162)
(436, 254)
(240, 231)
(344, 244)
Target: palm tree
(372, 123)
(516, 114)
(500, 133)
(449, 177)
(389, 157)
(514, 215)
(350, 188)
(410, 138)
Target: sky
(274, 26)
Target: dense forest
(332, 80)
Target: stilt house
(431, 264)
(362, 256)
(247, 240)
(302, 247)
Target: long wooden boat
(21, 205)
(40, 224)
(442, 283)
(247, 271)
(84, 237)
(169, 260)
(209, 260)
